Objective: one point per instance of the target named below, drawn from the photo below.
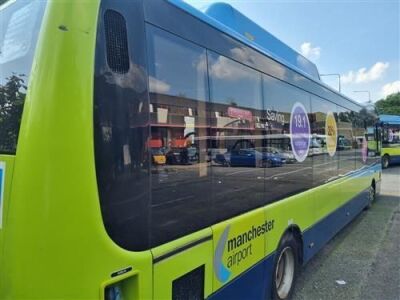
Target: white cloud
(364, 75)
(225, 68)
(307, 50)
(391, 88)
(158, 86)
(246, 56)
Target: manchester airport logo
(232, 251)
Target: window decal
(331, 133)
(299, 132)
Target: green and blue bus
(87, 88)
(390, 152)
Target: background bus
(390, 125)
(89, 208)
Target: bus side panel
(330, 224)
(252, 278)
(238, 245)
(297, 211)
(300, 211)
(322, 232)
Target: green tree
(390, 105)
(2, 1)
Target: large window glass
(324, 141)
(180, 164)
(121, 134)
(287, 123)
(346, 141)
(360, 139)
(237, 152)
(209, 139)
(19, 28)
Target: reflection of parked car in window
(287, 156)
(249, 158)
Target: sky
(358, 39)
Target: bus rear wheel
(285, 269)
(385, 161)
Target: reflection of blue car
(249, 158)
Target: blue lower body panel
(253, 284)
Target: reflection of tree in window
(12, 97)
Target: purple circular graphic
(299, 132)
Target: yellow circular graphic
(331, 133)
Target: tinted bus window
(180, 171)
(295, 173)
(346, 141)
(360, 139)
(324, 141)
(121, 134)
(19, 28)
(238, 157)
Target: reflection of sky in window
(231, 82)
(177, 67)
(281, 96)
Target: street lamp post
(369, 94)
(334, 74)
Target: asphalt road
(365, 255)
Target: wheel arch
(295, 231)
